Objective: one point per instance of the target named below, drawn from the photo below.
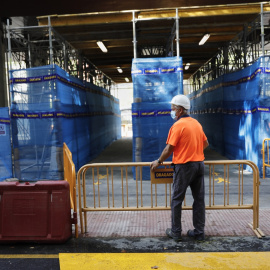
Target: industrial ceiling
(83, 24)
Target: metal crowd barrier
(70, 177)
(265, 155)
(111, 187)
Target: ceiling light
(187, 66)
(119, 70)
(126, 79)
(204, 39)
(102, 46)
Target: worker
(186, 141)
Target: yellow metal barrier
(265, 153)
(70, 177)
(117, 180)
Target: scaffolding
(34, 46)
(241, 52)
(56, 95)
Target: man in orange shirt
(187, 141)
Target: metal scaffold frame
(239, 53)
(157, 50)
(34, 46)
(39, 46)
(42, 45)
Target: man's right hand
(154, 165)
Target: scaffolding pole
(50, 40)
(177, 34)
(134, 35)
(262, 41)
(29, 51)
(9, 45)
(262, 30)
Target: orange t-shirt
(187, 137)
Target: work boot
(175, 237)
(197, 237)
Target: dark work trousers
(188, 174)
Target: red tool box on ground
(36, 212)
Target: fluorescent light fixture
(187, 66)
(204, 39)
(126, 79)
(102, 46)
(119, 70)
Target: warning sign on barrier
(162, 176)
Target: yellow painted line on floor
(29, 256)
(165, 261)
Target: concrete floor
(219, 223)
(144, 232)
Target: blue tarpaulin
(155, 82)
(5, 145)
(50, 107)
(234, 111)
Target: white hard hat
(181, 100)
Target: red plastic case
(36, 212)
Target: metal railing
(265, 155)
(70, 177)
(125, 190)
